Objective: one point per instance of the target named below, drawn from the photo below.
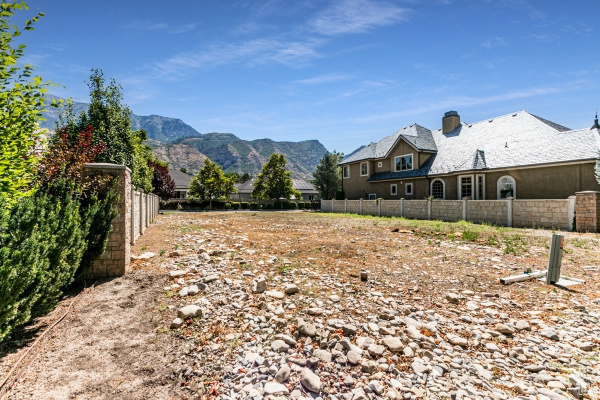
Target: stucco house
(182, 183)
(517, 155)
(308, 191)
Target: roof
(182, 180)
(516, 139)
(299, 184)
(415, 135)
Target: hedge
(43, 241)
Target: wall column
(509, 212)
(571, 213)
(360, 207)
(587, 208)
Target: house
(517, 155)
(308, 191)
(182, 183)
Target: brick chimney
(450, 122)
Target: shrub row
(193, 204)
(45, 242)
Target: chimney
(450, 122)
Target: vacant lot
(430, 321)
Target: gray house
(244, 190)
(182, 183)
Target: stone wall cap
(587, 192)
(107, 166)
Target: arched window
(507, 187)
(437, 189)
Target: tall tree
(327, 177)
(274, 181)
(111, 120)
(211, 183)
(21, 106)
(162, 183)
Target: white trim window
(438, 189)
(480, 187)
(403, 163)
(364, 169)
(465, 186)
(372, 196)
(394, 189)
(408, 189)
(346, 171)
(507, 187)
(379, 164)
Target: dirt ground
(115, 342)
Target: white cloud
(356, 16)
(494, 42)
(160, 26)
(329, 78)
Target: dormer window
(364, 169)
(404, 163)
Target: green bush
(293, 205)
(43, 240)
(300, 205)
(227, 206)
(253, 206)
(277, 205)
(235, 205)
(270, 206)
(260, 207)
(245, 205)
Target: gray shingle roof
(516, 139)
(182, 180)
(299, 184)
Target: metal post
(555, 262)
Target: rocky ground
(302, 305)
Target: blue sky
(343, 72)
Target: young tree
(274, 182)
(162, 183)
(21, 106)
(327, 177)
(211, 183)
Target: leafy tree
(184, 170)
(211, 183)
(111, 121)
(327, 177)
(162, 183)
(274, 182)
(22, 102)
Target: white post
(571, 213)
(401, 207)
(140, 212)
(509, 216)
(360, 208)
(132, 238)
(464, 210)
(429, 209)
(379, 207)
(332, 205)
(346, 206)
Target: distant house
(516, 155)
(244, 190)
(182, 183)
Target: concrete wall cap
(106, 166)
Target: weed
(162, 252)
(470, 235)
(176, 246)
(144, 248)
(168, 293)
(162, 307)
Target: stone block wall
(369, 207)
(492, 211)
(447, 210)
(390, 208)
(541, 213)
(115, 259)
(352, 206)
(416, 209)
(587, 211)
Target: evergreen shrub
(245, 205)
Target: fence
(556, 214)
(136, 210)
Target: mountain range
(176, 142)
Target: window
(372, 196)
(379, 164)
(437, 189)
(404, 163)
(394, 189)
(465, 186)
(507, 187)
(408, 189)
(346, 171)
(364, 169)
(480, 187)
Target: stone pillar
(132, 215)
(402, 207)
(345, 206)
(571, 214)
(360, 207)
(115, 259)
(429, 202)
(587, 208)
(379, 207)
(464, 208)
